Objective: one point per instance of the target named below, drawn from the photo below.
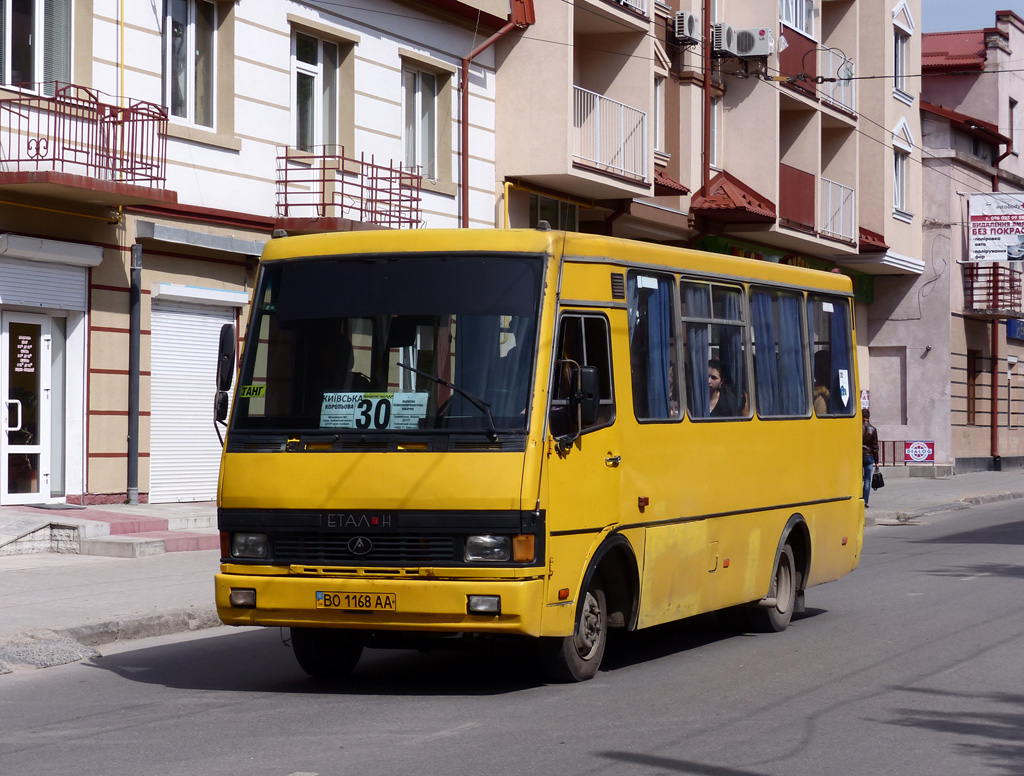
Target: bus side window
(714, 344)
(828, 328)
(652, 346)
(779, 353)
(582, 340)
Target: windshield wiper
(476, 401)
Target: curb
(44, 648)
(895, 517)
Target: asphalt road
(914, 664)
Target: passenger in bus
(822, 370)
(721, 405)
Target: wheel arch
(798, 536)
(614, 563)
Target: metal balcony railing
(76, 133)
(840, 92)
(640, 6)
(837, 211)
(609, 135)
(325, 183)
(993, 290)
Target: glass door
(24, 408)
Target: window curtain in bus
(651, 320)
(792, 392)
(697, 306)
(765, 366)
(476, 361)
(730, 349)
(515, 371)
(779, 360)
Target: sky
(947, 15)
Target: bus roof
(571, 245)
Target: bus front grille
(315, 548)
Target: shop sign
(996, 227)
(918, 452)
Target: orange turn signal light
(563, 594)
(523, 548)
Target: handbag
(876, 480)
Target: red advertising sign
(918, 452)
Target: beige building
(965, 390)
(149, 151)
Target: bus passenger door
(582, 467)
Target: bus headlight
(248, 545)
(488, 548)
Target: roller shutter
(42, 284)
(184, 449)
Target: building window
(314, 91)
(558, 213)
(23, 23)
(901, 161)
(899, 62)
(189, 51)
(716, 133)
(973, 375)
(1013, 125)
(798, 14)
(659, 113)
(420, 95)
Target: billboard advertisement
(996, 227)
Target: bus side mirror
(588, 398)
(225, 362)
(220, 406)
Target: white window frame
(902, 147)
(798, 14)
(659, 113)
(189, 114)
(49, 62)
(715, 145)
(323, 73)
(420, 151)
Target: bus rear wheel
(576, 658)
(326, 654)
(775, 618)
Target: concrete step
(144, 543)
(119, 531)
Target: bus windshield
(391, 343)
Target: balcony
(837, 211)
(320, 189)
(74, 146)
(609, 136)
(992, 290)
(838, 93)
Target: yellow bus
(453, 433)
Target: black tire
(775, 619)
(577, 658)
(326, 654)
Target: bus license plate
(363, 602)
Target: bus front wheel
(775, 618)
(326, 654)
(576, 658)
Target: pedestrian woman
(871, 456)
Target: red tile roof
(667, 186)
(729, 199)
(945, 51)
(984, 129)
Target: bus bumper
(415, 605)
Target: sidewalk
(57, 608)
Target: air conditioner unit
(687, 27)
(729, 41)
(754, 42)
(723, 40)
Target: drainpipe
(464, 175)
(996, 460)
(134, 336)
(705, 171)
